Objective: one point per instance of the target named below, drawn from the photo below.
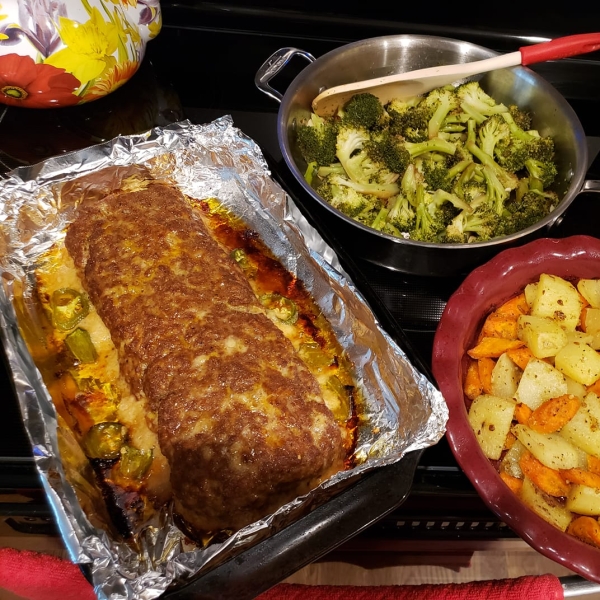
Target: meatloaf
(238, 415)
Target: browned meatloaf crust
(240, 418)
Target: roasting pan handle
(273, 66)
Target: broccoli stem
(464, 177)
(434, 145)
(440, 114)
(459, 167)
(396, 206)
(508, 180)
(335, 168)
(535, 184)
(380, 219)
(310, 172)
(441, 196)
(452, 128)
(496, 191)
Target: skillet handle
(273, 66)
(581, 216)
(591, 185)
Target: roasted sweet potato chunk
(546, 479)
(582, 477)
(500, 326)
(522, 413)
(486, 366)
(553, 414)
(514, 483)
(587, 529)
(493, 347)
(514, 307)
(520, 356)
(472, 386)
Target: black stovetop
(202, 66)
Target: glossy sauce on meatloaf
(239, 416)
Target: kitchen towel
(36, 576)
(538, 587)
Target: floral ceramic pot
(63, 52)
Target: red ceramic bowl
(483, 290)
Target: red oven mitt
(539, 587)
(37, 576)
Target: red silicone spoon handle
(562, 47)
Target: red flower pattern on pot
(23, 82)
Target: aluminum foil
(405, 411)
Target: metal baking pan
(269, 550)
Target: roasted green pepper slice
(281, 307)
(69, 307)
(313, 356)
(105, 440)
(80, 344)
(134, 463)
(241, 258)
(91, 385)
(342, 411)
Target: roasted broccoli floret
(532, 207)
(435, 172)
(401, 217)
(507, 180)
(544, 171)
(346, 199)
(492, 131)
(515, 130)
(365, 111)
(473, 191)
(476, 103)
(538, 147)
(428, 228)
(521, 117)
(349, 152)
(478, 226)
(433, 211)
(409, 119)
(317, 140)
(390, 151)
(469, 179)
(411, 179)
(541, 148)
(511, 154)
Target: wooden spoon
(414, 83)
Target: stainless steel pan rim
(374, 57)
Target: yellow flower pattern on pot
(74, 51)
(89, 47)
